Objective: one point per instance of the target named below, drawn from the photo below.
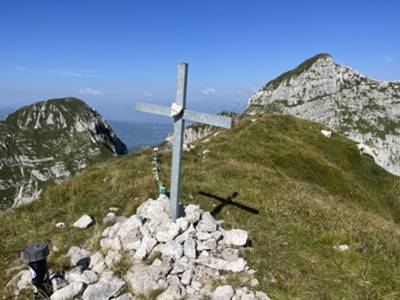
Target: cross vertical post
(179, 128)
(180, 114)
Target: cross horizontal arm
(198, 117)
(153, 109)
(213, 120)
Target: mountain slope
(364, 109)
(49, 141)
(297, 193)
(5, 111)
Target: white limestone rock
(86, 277)
(262, 296)
(207, 223)
(97, 263)
(108, 286)
(130, 225)
(236, 237)
(224, 292)
(20, 281)
(58, 283)
(76, 254)
(144, 279)
(192, 213)
(69, 292)
(187, 276)
(60, 225)
(83, 222)
(182, 223)
(109, 218)
(110, 243)
(147, 244)
(189, 248)
(326, 133)
(112, 258)
(172, 249)
(167, 232)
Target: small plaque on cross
(179, 113)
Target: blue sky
(112, 53)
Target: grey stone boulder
(146, 245)
(130, 225)
(154, 210)
(224, 292)
(171, 249)
(110, 243)
(58, 283)
(189, 248)
(262, 296)
(216, 263)
(202, 236)
(111, 231)
(69, 292)
(20, 281)
(145, 279)
(192, 213)
(182, 223)
(83, 222)
(167, 232)
(97, 263)
(112, 258)
(207, 223)
(76, 254)
(244, 294)
(236, 237)
(108, 286)
(130, 240)
(87, 276)
(210, 244)
(186, 234)
(186, 277)
(174, 291)
(109, 218)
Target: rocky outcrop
(364, 109)
(198, 131)
(48, 142)
(189, 258)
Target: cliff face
(364, 109)
(47, 142)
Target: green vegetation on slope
(311, 193)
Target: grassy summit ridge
(311, 193)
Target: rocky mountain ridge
(364, 109)
(50, 141)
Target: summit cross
(179, 113)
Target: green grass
(311, 193)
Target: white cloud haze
(207, 91)
(91, 92)
(147, 94)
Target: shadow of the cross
(228, 201)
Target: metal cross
(179, 127)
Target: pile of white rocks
(189, 258)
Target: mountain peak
(365, 109)
(304, 66)
(49, 141)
